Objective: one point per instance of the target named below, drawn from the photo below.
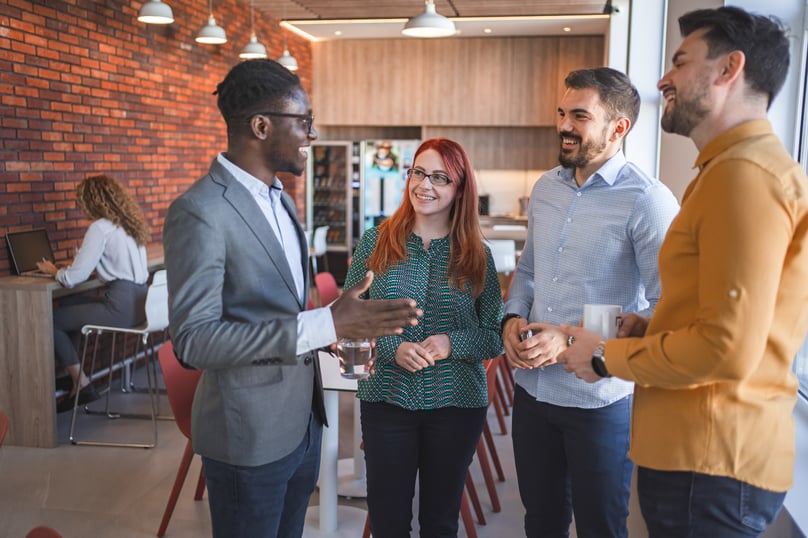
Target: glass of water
(354, 355)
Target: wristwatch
(599, 361)
(505, 319)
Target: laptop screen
(27, 248)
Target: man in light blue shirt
(595, 227)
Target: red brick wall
(85, 89)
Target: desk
(328, 510)
(27, 367)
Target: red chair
(180, 386)
(43, 532)
(327, 289)
(3, 426)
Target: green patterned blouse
(472, 326)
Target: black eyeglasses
(435, 178)
(306, 119)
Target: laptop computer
(27, 248)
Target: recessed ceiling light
(338, 32)
(567, 29)
(487, 31)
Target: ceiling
(358, 19)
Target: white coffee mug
(603, 319)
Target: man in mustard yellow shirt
(712, 429)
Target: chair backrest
(319, 241)
(157, 303)
(43, 532)
(180, 386)
(504, 253)
(327, 288)
(3, 426)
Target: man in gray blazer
(238, 283)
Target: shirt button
(569, 219)
(555, 279)
(733, 293)
(578, 194)
(549, 308)
(307, 360)
(560, 249)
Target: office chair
(327, 289)
(180, 386)
(156, 320)
(319, 247)
(43, 532)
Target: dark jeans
(569, 460)
(683, 504)
(265, 501)
(437, 445)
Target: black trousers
(437, 445)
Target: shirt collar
(731, 137)
(250, 182)
(608, 172)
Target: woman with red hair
(422, 410)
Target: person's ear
(621, 128)
(260, 126)
(731, 67)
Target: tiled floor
(85, 491)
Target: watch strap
(599, 361)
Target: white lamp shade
(288, 61)
(253, 49)
(211, 33)
(429, 24)
(155, 12)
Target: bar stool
(156, 320)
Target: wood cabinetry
(496, 96)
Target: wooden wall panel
(469, 82)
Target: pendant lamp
(211, 33)
(429, 24)
(253, 49)
(286, 59)
(155, 12)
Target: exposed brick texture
(85, 89)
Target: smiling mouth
(424, 197)
(569, 142)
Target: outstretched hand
(368, 318)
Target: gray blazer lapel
(244, 205)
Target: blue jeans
(683, 504)
(569, 460)
(267, 501)
(436, 444)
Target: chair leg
(366, 531)
(492, 449)
(482, 456)
(200, 485)
(503, 427)
(503, 400)
(507, 379)
(475, 499)
(182, 472)
(465, 515)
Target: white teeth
(569, 141)
(425, 198)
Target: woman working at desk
(114, 246)
(422, 411)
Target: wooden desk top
(156, 261)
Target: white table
(329, 511)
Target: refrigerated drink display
(385, 164)
(329, 188)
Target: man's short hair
(762, 39)
(618, 95)
(251, 86)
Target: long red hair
(467, 258)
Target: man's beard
(586, 151)
(683, 115)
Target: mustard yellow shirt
(714, 386)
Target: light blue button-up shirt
(597, 244)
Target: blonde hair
(101, 197)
